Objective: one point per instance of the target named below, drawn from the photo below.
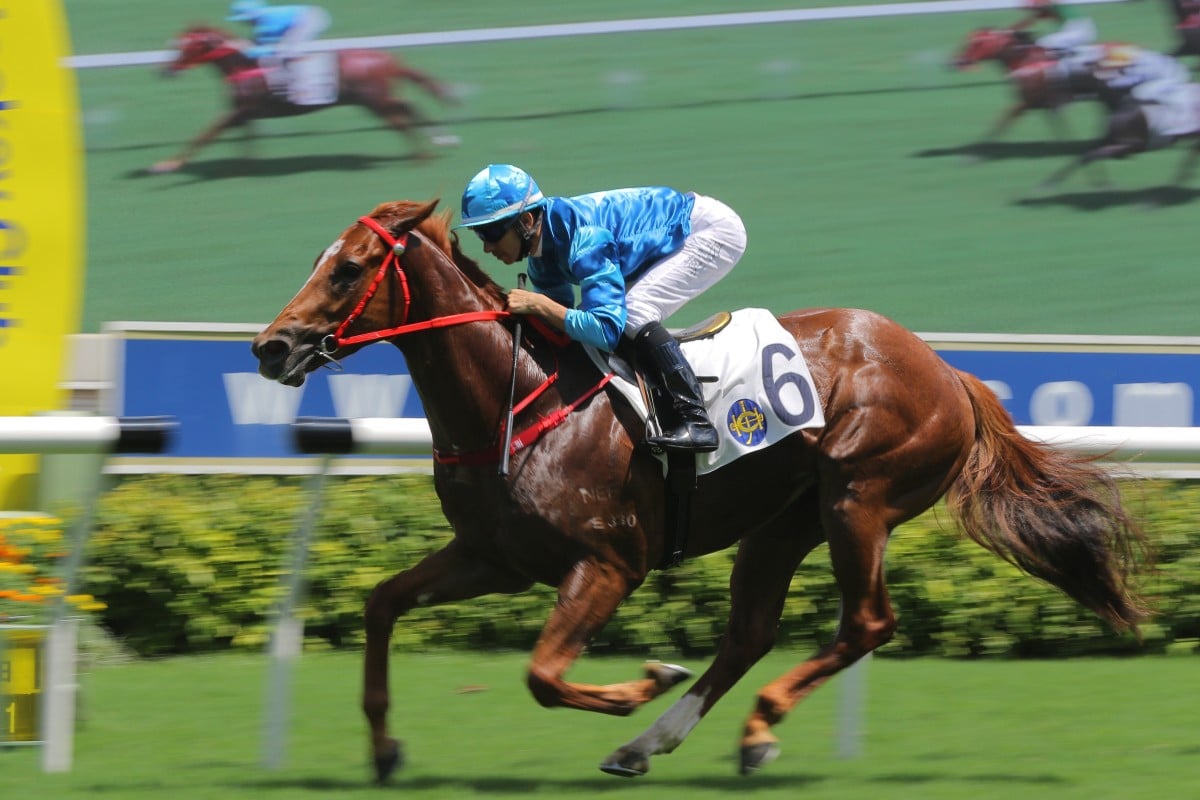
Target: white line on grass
(593, 28)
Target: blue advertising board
(227, 411)
(1073, 387)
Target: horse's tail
(1055, 515)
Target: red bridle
(521, 439)
(396, 248)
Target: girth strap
(677, 521)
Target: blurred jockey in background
(1142, 75)
(637, 255)
(280, 33)
(1075, 29)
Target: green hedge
(191, 564)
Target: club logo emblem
(746, 422)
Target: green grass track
(192, 728)
(840, 142)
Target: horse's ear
(412, 214)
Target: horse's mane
(436, 228)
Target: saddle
(620, 362)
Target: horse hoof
(389, 761)
(756, 756)
(667, 675)
(626, 763)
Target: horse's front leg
(234, 117)
(759, 584)
(587, 598)
(999, 127)
(448, 575)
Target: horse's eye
(347, 272)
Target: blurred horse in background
(584, 506)
(1043, 80)
(1135, 127)
(365, 78)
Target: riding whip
(512, 389)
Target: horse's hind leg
(587, 598)
(445, 576)
(857, 533)
(761, 575)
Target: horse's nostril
(271, 351)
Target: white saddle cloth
(313, 80)
(1176, 112)
(763, 392)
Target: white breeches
(715, 245)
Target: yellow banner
(41, 221)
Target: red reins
(526, 437)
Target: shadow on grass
(592, 786)
(1001, 151)
(1101, 199)
(223, 168)
(525, 786)
(1008, 778)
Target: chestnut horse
(582, 506)
(1042, 80)
(365, 79)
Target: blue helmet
(245, 10)
(497, 192)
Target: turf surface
(191, 728)
(841, 143)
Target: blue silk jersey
(272, 22)
(601, 243)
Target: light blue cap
(498, 191)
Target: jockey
(637, 255)
(279, 32)
(1140, 74)
(1075, 29)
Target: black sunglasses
(494, 231)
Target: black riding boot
(680, 407)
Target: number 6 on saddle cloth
(760, 390)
